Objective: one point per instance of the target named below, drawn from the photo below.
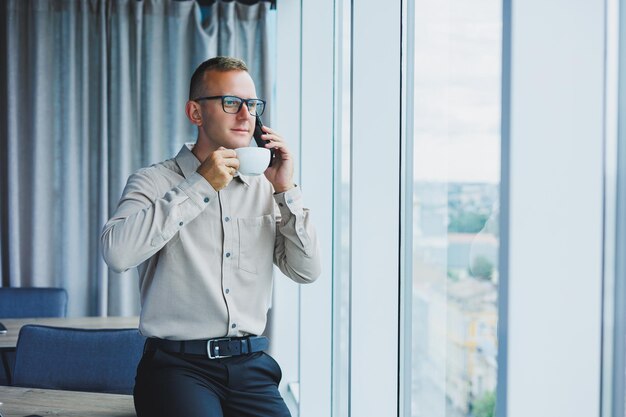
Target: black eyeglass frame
(242, 100)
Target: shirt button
(233, 325)
(206, 199)
(227, 291)
(289, 201)
(180, 224)
(227, 219)
(228, 254)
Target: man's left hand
(280, 174)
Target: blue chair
(25, 302)
(95, 360)
(32, 302)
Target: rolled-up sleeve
(296, 250)
(146, 218)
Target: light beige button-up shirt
(205, 257)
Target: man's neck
(202, 150)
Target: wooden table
(8, 341)
(20, 402)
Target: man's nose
(243, 112)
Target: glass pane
(455, 207)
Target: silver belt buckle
(217, 348)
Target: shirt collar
(188, 163)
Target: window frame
(312, 122)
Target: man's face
(218, 127)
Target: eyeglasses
(232, 104)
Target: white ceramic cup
(253, 160)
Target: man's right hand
(219, 167)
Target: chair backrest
(32, 302)
(96, 360)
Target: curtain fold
(96, 89)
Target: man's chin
(239, 143)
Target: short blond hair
(218, 63)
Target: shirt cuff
(289, 202)
(198, 189)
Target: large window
(434, 309)
(456, 174)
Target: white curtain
(92, 90)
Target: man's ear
(192, 110)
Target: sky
(457, 90)
(457, 75)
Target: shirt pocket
(256, 242)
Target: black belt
(213, 348)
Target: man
(205, 240)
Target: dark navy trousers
(185, 385)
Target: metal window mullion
(376, 143)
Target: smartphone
(260, 142)
(3, 330)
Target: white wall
(556, 207)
